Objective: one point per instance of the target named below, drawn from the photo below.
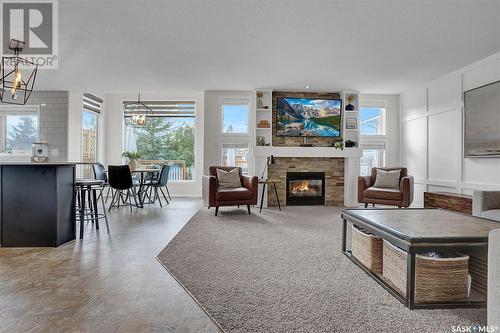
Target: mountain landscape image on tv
(308, 117)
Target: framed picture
(351, 123)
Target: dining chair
(120, 180)
(161, 182)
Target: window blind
(161, 108)
(373, 145)
(92, 102)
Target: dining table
(142, 191)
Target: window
(18, 130)
(373, 135)
(372, 120)
(168, 135)
(235, 116)
(372, 158)
(235, 155)
(89, 139)
(89, 142)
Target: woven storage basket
(367, 249)
(394, 269)
(436, 279)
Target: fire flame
(303, 187)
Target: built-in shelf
(263, 133)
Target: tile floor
(105, 283)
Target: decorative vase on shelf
(349, 107)
(260, 104)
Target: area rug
(284, 272)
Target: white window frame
(196, 117)
(242, 144)
(374, 104)
(97, 132)
(374, 141)
(13, 109)
(380, 146)
(233, 101)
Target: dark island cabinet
(37, 206)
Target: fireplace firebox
(305, 188)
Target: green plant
(131, 155)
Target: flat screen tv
(482, 121)
(308, 117)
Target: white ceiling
(373, 46)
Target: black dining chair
(161, 182)
(120, 180)
(100, 174)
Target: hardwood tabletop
(269, 181)
(145, 170)
(424, 224)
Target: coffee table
(420, 230)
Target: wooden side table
(461, 203)
(269, 182)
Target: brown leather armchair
(244, 195)
(401, 197)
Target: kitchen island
(37, 204)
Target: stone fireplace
(305, 188)
(325, 171)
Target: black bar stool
(88, 192)
(100, 174)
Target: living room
(250, 166)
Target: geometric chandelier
(138, 111)
(17, 76)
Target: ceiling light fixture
(18, 76)
(307, 87)
(138, 111)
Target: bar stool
(90, 190)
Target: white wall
(114, 134)
(431, 133)
(213, 137)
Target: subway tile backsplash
(53, 121)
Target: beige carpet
(284, 272)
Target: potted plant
(132, 158)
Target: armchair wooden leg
(366, 205)
(248, 207)
(216, 210)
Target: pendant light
(138, 111)
(18, 76)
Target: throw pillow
(229, 179)
(387, 179)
